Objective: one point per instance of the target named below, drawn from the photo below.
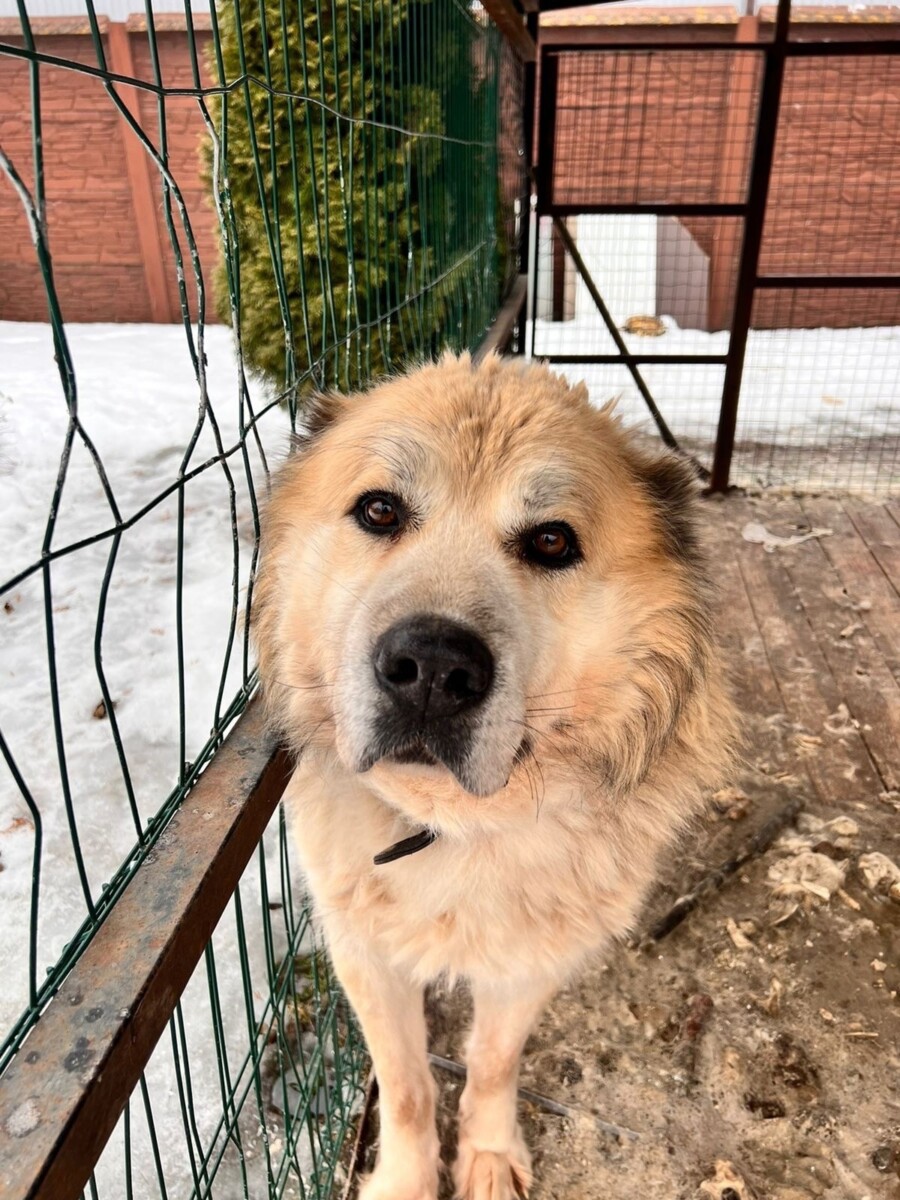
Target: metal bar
(664, 431)
(529, 118)
(828, 281)
(531, 298)
(842, 48)
(735, 149)
(498, 336)
(671, 360)
(543, 168)
(558, 278)
(542, 174)
(62, 1095)
(795, 49)
(508, 20)
(760, 175)
(655, 40)
(650, 207)
(552, 5)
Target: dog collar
(409, 845)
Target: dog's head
(470, 575)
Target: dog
(484, 628)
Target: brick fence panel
(98, 251)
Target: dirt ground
(753, 1052)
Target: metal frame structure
(774, 54)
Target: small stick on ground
(699, 1009)
(758, 844)
(543, 1102)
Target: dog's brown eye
(551, 541)
(553, 546)
(379, 513)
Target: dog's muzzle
(433, 675)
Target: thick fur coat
(580, 722)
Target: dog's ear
(320, 411)
(673, 488)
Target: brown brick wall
(634, 128)
(107, 233)
(630, 128)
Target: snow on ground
(801, 387)
(138, 401)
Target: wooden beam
(62, 1095)
(141, 181)
(508, 20)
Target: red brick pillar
(737, 140)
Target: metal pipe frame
(775, 50)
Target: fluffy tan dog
(484, 626)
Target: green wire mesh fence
(351, 204)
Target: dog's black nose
(433, 667)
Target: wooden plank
(508, 20)
(840, 767)
(773, 773)
(62, 1095)
(866, 686)
(749, 668)
(141, 183)
(767, 771)
(879, 527)
(865, 582)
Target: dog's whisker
(544, 733)
(587, 687)
(343, 586)
(563, 741)
(302, 687)
(543, 793)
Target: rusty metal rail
(60, 1099)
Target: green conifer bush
(357, 181)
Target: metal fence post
(758, 193)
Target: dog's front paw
(490, 1175)
(396, 1181)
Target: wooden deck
(751, 1043)
(813, 637)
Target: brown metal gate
(687, 129)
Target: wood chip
(772, 1003)
(849, 630)
(741, 941)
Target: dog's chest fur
(535, 897)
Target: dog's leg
(493, 1162)
(390, 1010)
